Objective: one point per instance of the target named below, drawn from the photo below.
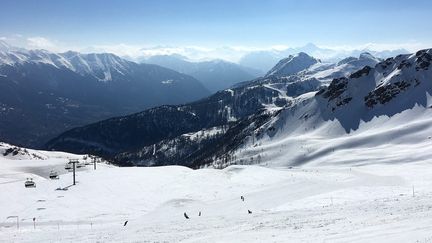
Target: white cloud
(411, 46)
(39, 42)
(131, 51)
(194, 52)
(191, 52)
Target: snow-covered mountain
(215, 74)
(265, 60)
(44, 93)
(188, 133)
(376, 115)
(313, 75)
(102, 66)
(292, 65)
(325, 71)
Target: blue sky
(258, 23)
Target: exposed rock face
(363, 72)
(423, 60)
(335, 89)
(334, 92)
(298, 88)
(404, 64)
(384, 94)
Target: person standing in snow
(242, 198)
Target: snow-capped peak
(363, 57)
(292, 64)
(101, 65)
(368, 56)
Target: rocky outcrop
(386, 93)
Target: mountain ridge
(215, 74)
(47, 93)
(292, 65)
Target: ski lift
(68, 166)
(53, 175)
(79, 165)
(29, 183)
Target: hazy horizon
(208, 30)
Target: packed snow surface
(372, 203)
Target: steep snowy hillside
(376, 115)
(44, 93)
(379, 203)
(215, 75)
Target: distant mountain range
(215, 75)
(45, 93)
(261, 60)
(265, 60)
